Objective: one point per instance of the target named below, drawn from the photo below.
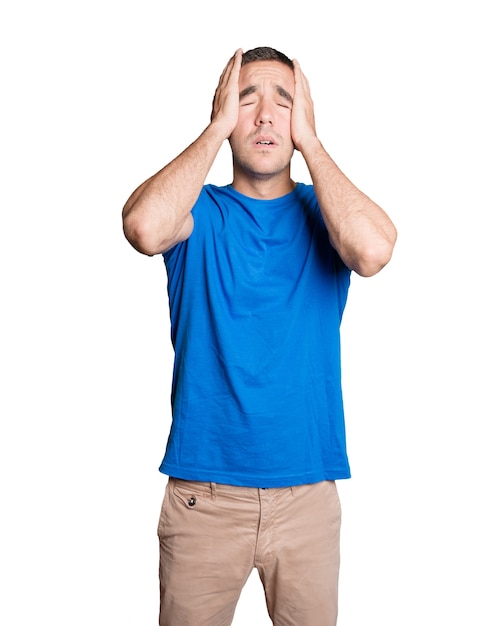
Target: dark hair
(265, 54)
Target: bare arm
(359, 229)
(158, 213)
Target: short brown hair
(265, 54)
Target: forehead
(259, 73)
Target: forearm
(158, 213)
(359, 229)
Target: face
(261, 142)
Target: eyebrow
(280, 90)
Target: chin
(257, 168)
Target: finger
(227, 81)
(300, 78)
(234, 70)
(234, 62)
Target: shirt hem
(240, 480)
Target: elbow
(141, 236)
(370, 264)
(374, 258)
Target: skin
(266, 92)
(261, 101)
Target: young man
(258, 274)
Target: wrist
(221, 128)
(308, 144)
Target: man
(258, 275)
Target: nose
(264, 119)
(264, 114)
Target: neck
(263, 188)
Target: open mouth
(265, 141)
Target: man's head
(261, 141)
(265, 54)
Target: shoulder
(306, 194)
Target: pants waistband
(214, 488)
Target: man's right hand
(158, 214)
(226, 99)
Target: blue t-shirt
(256, 297)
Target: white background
(96, 97)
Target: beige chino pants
(212, 536)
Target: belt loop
(292, 490)
(213, 491)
